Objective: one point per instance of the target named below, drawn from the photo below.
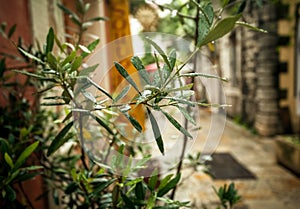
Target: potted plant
(74, 179)
(288, 152)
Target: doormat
(225, 166)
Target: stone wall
(257, 101)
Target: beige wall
(287, 27)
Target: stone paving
(274, 187)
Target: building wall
(287, 57)
(253, 71)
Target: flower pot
(288, 154)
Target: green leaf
(122, 93)
(205, 22)
(140, 191)
(181, 88)
(172, 58)
(124, 73)
(72, 187)
(88, 70)
(103, 185)
(187, 115)
(102, 123)
(170, 185)
(89, 96)
(94, 19)
(91, 47)
(225, 2)
(2, 67)
(133, 121)
(52, 61)
(60, 139)
(35, 75)
(69, 58)
(222, 28)
(11, 31)
(99, 87)
(164, 181)
(72, 15)
(50, 41)
(30, 55)
(160, 51)
(151, 200)
(153, 180)
(156, 132)
(8, 160)
(205, 75)
(84, 49)
(25, 154)
(176, 124)
(10, 193)
(27, 176)
(76, 63)
(251, 27)
(137, 63)
(127, 201)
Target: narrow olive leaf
(140, 191)
(186, 114)
(53, 103)
(124, 73)
(69, 58)
(60, 139)
(76, 63)
(205, 21)
(160, 51)
(170, 185)
(50, 41)
(137, 63)
(156, 132)
(102, 123)
(182, 101)
(133, 121)
(202, 75)
(11, 194)
(222, 28)
(84, 49)
(11, 31)
(8, 160)
(127, 201)
(151, 200)
(3, 28)
(181, 88)
(99, 188)
(52, 61)
(165, 181)
(225, 2)
(172, 58)
(25, 154)
(91, 47)
(176, 124)
(252, 27)
(73, 16)
(2, 67)
(242, 7)
(153, 180)
(99, 87)
(122, 94)
(30, 56)
(89, 96)
(98, 19)
(88, 70)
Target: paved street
(274, 186)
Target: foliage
(227, 195)
(74, 179)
